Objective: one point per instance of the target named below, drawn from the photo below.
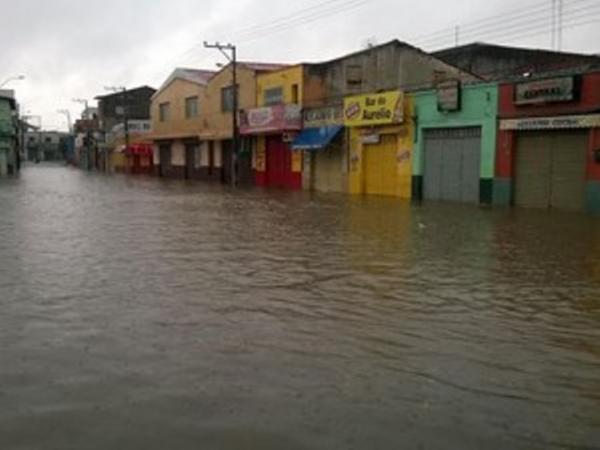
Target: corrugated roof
(262, 67)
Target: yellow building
(381, 143)
(275, 122)
(177, 123)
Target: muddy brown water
(138, 313)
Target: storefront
(456, 143)
(549, 143)
(139, 158)
(381, 143)
(275, 127)
(325, 150)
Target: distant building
(113, 109)
(136, 102)
(45, 145)
(9, 134)
(496, 62)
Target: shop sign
(271, 118)
(375, 109)
(448, 96)
(323, 117)
(556, 123)
(545, 91)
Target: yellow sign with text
(384, 108)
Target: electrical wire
(303, 20)
(500, 21)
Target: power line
(296, 18)
(304, 19)
(289, 16)
(496, 22)
(525, 24)
(469, 25)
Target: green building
(9, 152)
(455, 148)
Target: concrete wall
(382, 68)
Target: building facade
(178, 119)
(137, 158)
(365, 92)
(497, 62)
(112, 111)
(455, 147)
(548, 151)
(9, 134)
(273, 124)
(219, 112)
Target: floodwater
(138, 313)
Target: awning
(139, 149)
(316, 138)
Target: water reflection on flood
(152, 314)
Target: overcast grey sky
(73, 48)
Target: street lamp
(8, 80)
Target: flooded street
(138, 313)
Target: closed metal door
(165, 159)
(380, 166)
(372, 169)
(568, 171)
(452, 164)
(550, 169)
(533, 169)
(190, 160)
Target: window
(227, 98)
(191, 107)
(354, 76)
(163, 111)
(295, 94)
(273, 96)
(48, 140)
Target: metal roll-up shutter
(452, 164)
(380, 166)
(568, 170)
(532, 171)
(550, 169)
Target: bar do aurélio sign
(383, 108)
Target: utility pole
(88, 138)
(456, 35)
(232, 58)
(553, 25)
(126, 120)
(125, 114)
(560, 25)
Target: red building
(548, 152)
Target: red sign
(271, 118)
